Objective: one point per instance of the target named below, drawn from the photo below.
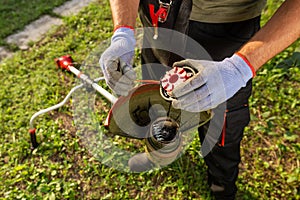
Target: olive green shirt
(222, 11)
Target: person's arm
(216, 82)
(116, 60)
(124, 12)
(279, 32)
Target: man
(230, 33)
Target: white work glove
(115, 61)
(213, 84)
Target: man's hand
(115, 61)
(213, 84)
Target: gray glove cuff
(126, 33)
(242, 67)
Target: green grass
(16, 14)
(63, 168)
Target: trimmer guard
(131, 116)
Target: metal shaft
(92, 83)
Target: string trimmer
(145, 113)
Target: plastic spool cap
(173, 77)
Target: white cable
(102, 91)
(55, 106)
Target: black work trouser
(220, 41)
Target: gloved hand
(115, 61)
(214, 83)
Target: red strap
(223, 134)
(248, 63)
(123, 26)
(162, 12)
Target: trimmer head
(131, 116)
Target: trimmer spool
(172, 78)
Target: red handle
(64, 62)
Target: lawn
(16, 14)
(62, 167)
